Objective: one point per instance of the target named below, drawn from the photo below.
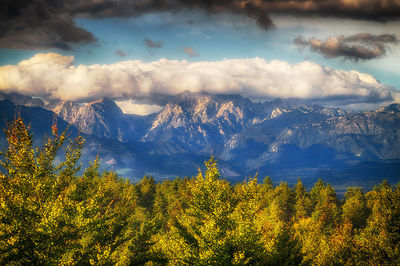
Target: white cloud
(54, 76)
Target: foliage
(49, 214)
(52, 212)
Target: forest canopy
(53, 212)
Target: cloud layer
(53, 76)
(363, 46)
(40, 24)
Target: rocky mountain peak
(105, 105)
(250, 135)
(200, 120)
(103, 118)
(203, 107)
(188, 96)
(67, 110)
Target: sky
(342, 53)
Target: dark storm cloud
(149, 43)
(38, 24)
(363, 46)
(370, 38)
(380, 10)
(32, 24)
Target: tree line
(53, 212)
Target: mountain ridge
(285, 138)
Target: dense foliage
(51, 212)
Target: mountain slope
(281, 138)
(202, 122)
(131, 159)
(103, 118)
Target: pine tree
(303, 206)
(355, 208)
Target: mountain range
(284, 139)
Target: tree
(210, 231)
(33, 206)
(49, 214)
(355, 208)
(326, 210)
(381, 237)
(303, 206)
(146, 190)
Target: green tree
(35, 224)
(146, 190)
(303, 205)
(51, 215)
(326, 210)
(381, 237)
(355, 207)
(211, 231)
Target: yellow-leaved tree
(214, 229)
(54, 214)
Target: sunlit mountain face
(287, 88)
(283, 139)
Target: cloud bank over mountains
(38, 24)
(54, 76)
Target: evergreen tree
(355, 208)
(210, 231)
(381, 237)
(303, 205)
